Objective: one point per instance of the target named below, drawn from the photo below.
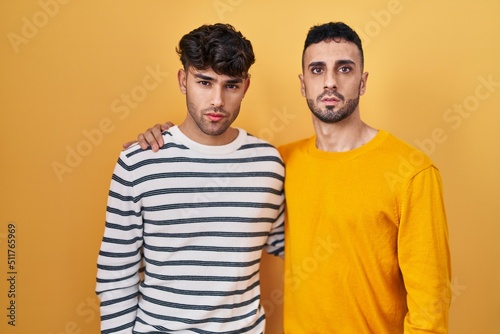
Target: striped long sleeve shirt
(195, 220)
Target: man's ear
(302, 86)
(362, 86)
(182, 79)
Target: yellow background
(76, 77)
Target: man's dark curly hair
(333, 31)
(219, 47)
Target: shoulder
(250, 139)
(403, 155)
(252, 142)
(296, 147)
(135, 154)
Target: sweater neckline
(208, 149)
(374, 142)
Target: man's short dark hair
(219, 47)
(333, 31)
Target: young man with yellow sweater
(377, 200)
(374, 201)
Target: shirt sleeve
(423, 253)
(120, 255)
(275, 244)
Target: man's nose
(330, 81)
(217, 100)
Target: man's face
(213, 102)
(332, 80)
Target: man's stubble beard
(329, 115)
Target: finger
(128, 144)
(166, 126)
(157, 133)
(142, 141)
(149, 138)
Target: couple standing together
(188, 218)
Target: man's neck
(342, 136)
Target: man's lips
(215, 116)
(330, 100)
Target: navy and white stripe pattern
(195, 218)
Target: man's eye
(345, 69)
(317, 70)
(231, 86)
(204, 83)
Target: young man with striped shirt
(197, 215)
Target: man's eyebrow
(209, 78)
(337, 63)
(203, 77)
(345, 62)
(234, 81)
(316, 64)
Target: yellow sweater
(366, 240)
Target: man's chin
(214, 131)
